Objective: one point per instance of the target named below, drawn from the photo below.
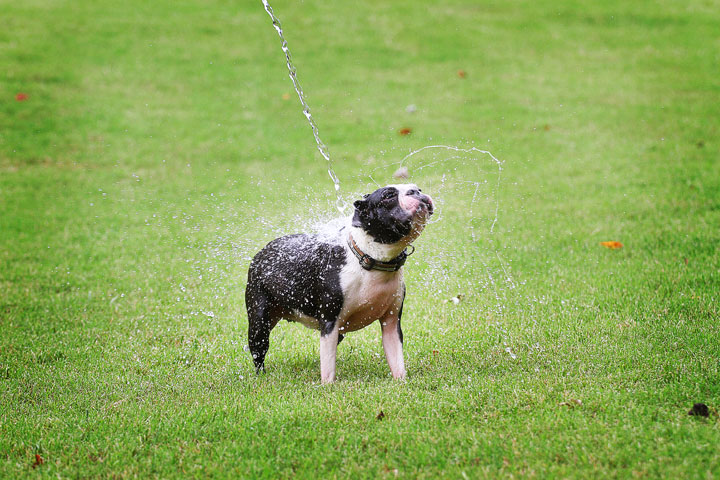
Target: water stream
(340, 203)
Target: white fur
(328, 353)
(369, 294)
(310, 322)
(393, 346)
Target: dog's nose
(425, 199)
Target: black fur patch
(300, 272)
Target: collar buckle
(367, 262)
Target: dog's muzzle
(423, 201)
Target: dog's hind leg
(261, 321)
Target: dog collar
(369, 263)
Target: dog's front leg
(392, 344)
(328, 352)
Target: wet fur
(318, 282)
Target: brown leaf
(286, 96)
(405, 131)
(612, 245)
(21, 97)
(394, 471)
(380, 415)
(461, 73)
(38, 461)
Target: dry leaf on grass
(572, 403)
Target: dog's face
(393, 214)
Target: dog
(341, 282)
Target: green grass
(156, 153)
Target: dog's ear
(361, 204)
(361, 211)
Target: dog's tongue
(413, 205)
(409, 203)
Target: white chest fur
(369, 295)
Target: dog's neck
(378, 251)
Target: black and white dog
(340, 283)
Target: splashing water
(459, 181)
(467, 183)
(340, 203)
(473, 182)
(476, 184)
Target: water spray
(474, 186)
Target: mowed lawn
(148, 149)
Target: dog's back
(296, 277)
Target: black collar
(369, 263)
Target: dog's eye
(388, 194)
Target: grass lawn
(158, 145)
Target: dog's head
(393, 214)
